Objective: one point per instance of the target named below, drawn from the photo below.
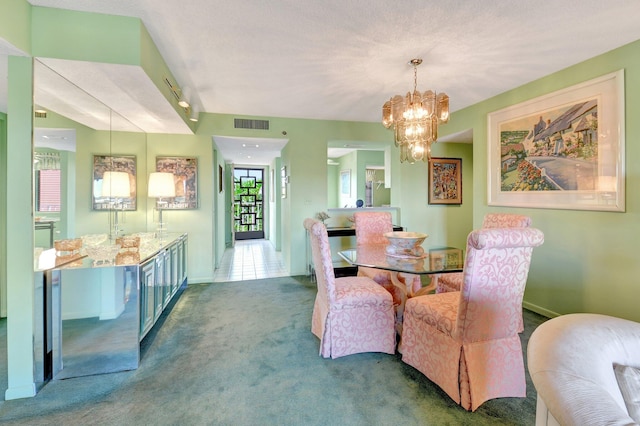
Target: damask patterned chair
(453, 281)
(467, 341)
(370, 229)
(350, 314)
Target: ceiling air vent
(40, 113)
(240, 123)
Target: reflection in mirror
(376, 194)
(78, 143)
(365, 164)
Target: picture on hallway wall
(345, 183)
(283, 182)
(564, 150)
(445, 181)
(220, 179)
(185, 175)
(116, 194)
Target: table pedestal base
(406, 292)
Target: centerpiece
(405, 244)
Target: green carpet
(242, 353)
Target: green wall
(20, 231)
(446, 225)
(586, 263)
(14, 23)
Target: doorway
(248, 203)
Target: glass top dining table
(438, 260)
(435, 261)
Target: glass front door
(248, 204)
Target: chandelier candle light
(415, 118)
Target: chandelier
(415, 118)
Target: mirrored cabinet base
(99, 313)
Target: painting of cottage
(556, 149)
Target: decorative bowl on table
(93, 239)
(405, 244)
(102, 254)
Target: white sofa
(571, 362)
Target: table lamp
(161, 185)
(115, 186)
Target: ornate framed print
(445, 181)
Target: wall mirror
(90, 172)
(369, 174)
(71, 130)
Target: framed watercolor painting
(185, 175)
(445, 181)
(564, 150)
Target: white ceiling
(341, 60)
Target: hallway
(250, 260)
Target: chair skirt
(469, 372)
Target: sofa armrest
(570, 360)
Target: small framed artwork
(272, 186)
(563, 150)
(220, 179)
(283, 182)
(345, 183)
(445, 181)
(185, 176)
(114, 191)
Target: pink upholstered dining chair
(453, 281)
(370, 229)
(350, 314)
(467, 341)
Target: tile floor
(250, 260)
